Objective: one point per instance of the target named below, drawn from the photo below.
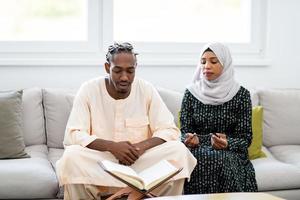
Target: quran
(145, 180)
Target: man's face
(122, 71)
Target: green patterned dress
(220, 170)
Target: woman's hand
(191, 140)
(219, 141)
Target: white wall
(283, 51)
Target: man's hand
(191, 140)
(147, 144)
(219, 141)
(125, 152)
(140, 147)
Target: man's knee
(176, 146)
(71, 152)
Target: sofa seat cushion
(272, 174)
(28, 178)
(287, 153)
(267, 152)
(54, 155)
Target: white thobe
(95, 114)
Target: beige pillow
(11, 135)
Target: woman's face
(211, 66)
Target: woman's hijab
(223, 88)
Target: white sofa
(46, 113)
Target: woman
(216, 126)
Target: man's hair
(117, 48)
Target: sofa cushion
(54, 155)
(11, 133)
(267, 152)
(28, 178)
(287, 153)
(33, 117)
(281, 116)
(57, 105)
(272, 174)
(172, 100)
(255, 149)
(254, 97)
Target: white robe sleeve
(161, 119)
(78, 129)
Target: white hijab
(223, 88)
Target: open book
(144, 180)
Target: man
(123, 119)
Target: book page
(154, 174)
(118, 168)
(123, 172)
(129, 179)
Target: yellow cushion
(254, 151)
